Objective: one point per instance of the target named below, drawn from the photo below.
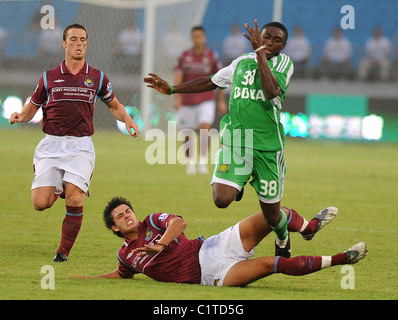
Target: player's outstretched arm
(27, 113)
(201, 84)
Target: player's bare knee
(221, 201)
(268, 264)
(222, 198)
(40, 204)
(74, 201)
(39, 208)
(74, 196)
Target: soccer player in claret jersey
(252, 135)
(197, 111)
(158, 248)
(64, 160)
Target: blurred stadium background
(319, 105)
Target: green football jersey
(254, 121)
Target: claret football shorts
(60, 159)
(235, 166)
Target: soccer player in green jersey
(252, 135)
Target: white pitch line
(362, 230)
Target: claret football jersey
(68, 100)
(194, 66)
(178, 262)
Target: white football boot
(356, 253)
(325, 216)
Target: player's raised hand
(157, 83)
(254, 35)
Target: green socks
(281, 228)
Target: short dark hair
(277, 24)
(73, 26)
(198, 28)
(107, 215)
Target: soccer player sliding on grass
(158, 248)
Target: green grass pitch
(358, 178)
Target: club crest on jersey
(148, 234)
(89, 81)
(223, 168)
(109, 87)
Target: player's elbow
(182, 224)
(272, 93)
(178, 222)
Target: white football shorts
(189, 117)
(60, 159)
(219, 253)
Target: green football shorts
(234, 166)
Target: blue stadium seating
(16, 18)
(317, 18)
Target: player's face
(198, 38)
(75, 43)
(274, 40)
(125, 220)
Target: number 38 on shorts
(266, 173)
(269, 176)
(268, 188)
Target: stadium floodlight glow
(10, 105)
(335, 125)
(134, 112)
(285, 119)
(299, 125)
(353, 127)
(372, 127)
(295, 125)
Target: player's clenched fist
(15, 118)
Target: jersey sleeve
(125, 271)
(283, 72)
(105, 92)
(178, 67)
(224, 77)
(161, 220)
(39, 97)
